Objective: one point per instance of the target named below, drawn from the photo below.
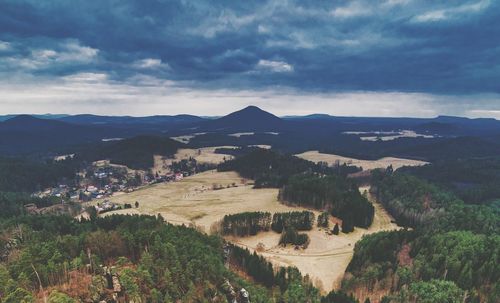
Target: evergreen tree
(347, 226)
(335, 230)
(323, 219)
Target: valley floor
(203, 199)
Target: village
(102, 179)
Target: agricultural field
(331, 159)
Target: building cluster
(102, 180)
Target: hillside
(129, 121)
(135, 153)
(250, 118)
(26, 134)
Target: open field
(388, 136)
(186, 138)
(326, 258)
(331, 159)
(237, 135)
(194, 200)
(201, 155)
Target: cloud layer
(444, 55)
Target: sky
(414, 58)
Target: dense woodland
(336, 194)
(135, 153)
(25, 175)
(452, 255)
(475, 181)
(300, 220)
(246, 224)
(411, 201)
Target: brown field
(331, 159)
(194, 201)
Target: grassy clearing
(331, 159)
(195, 201)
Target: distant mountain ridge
(159, 119)
(25, 134)
(40, 116)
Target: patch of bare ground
(331, 159)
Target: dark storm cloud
(394, 45)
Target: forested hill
(250, 118)
(25, 135)
(451, 255)
(25, 175)
(135, 153)
(475, 180)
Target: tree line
(246, 224)
(291, 236)
(336, 194)
(299, 220)
(251, 223)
